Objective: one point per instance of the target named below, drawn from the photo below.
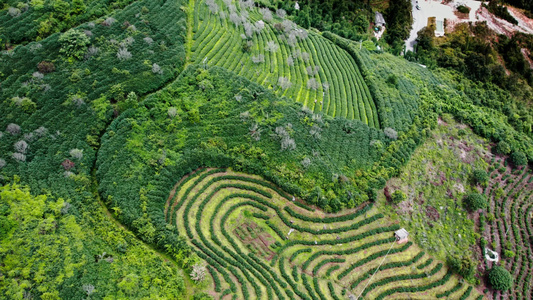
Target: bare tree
(267, 14)
(305, 56)
(109, 21)
(77, 100)
(41, 131)
(306, 162)
(21, 146)
(281, 13)
(123, 54)
(19, 156)
(288, 26)
(91, 51)
(13, 12)
(312, 71)
(246, 4)
(284, 83)
(156, 69)
(312, 84)
(76, 153)
(235, 19)
(291, 40)
(258, 59)
(13, 128)
(198, 272)
(248, 29)
(37, 75)
(213, 7)
(148, 40)
(255, 132)
(259, 25)
(89, 289)
(271, 46)
(301, 34)
(290, 61)
(390, 133)
(281, 132)
(287, 143)
(245, 115)
(317, 118)
(172, 112)
(2, 163)
(315, 131)
(325, 86)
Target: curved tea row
(260, 242)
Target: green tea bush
(447, 293)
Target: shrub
(46, 67)
(519, 159)
(475, 201)
(480, 176)
(509, 254)
(463, 9)
(464, 266)
(500, 278)
(398, 196)
(73, 43)
(503, 148)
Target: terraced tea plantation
(508, 226)
(276, 53)
(260, 243)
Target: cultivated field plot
(510, 224)
(262, 243)
(276, 53)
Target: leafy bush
(73, 43)
(464, 266)
(500, 279)
(480, 176)
(518, 159)
(463, 9)
(503, 148)
(475, 201)
(398, 196)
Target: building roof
(401, 233)
(379, 18)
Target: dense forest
(210, 149)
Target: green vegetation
(507, 228)
(463, 9)
(434, 208)
(500, 279)
(278, 54)
(216, 149)
(475, 201)
(213, 214)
